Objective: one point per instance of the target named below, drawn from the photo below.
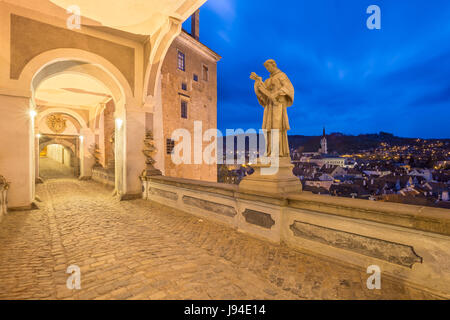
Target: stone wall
(407, 242)
(200, 96)
(17, 161)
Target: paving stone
(136, 250)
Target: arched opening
(76, 111)
(80, 101)
(57, 161)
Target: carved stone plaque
(210, 206)
(164, 194)
(56, 123)
(392, 252)
(258, 218)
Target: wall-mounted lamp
(81, 138)
(38, 136)
(33, 114)
(119, 123)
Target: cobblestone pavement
(49, 169)
(137, 250)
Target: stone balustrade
(409, 243)
(104, 176)
(4, 186)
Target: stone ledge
(212, 187)
(428, 219)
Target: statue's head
(270, 65)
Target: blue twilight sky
(347, 77)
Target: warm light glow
(119, 123)
(81, 138)
(33, 114)
(38, 136)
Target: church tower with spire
(323, 143)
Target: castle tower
(323, 143)
(195, 25)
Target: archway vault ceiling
(135, 16)
(73, 90)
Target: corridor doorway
(59, 157)
(81, 108)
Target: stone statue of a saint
(274, 176)
(275, 95)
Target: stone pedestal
(151, 172)
(267, 180)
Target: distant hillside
(342, 144)
(349, 144)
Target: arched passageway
(78, 103)
(57, 161)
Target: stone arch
(81, 61)
(64, 143)
(161, 41)
(78, 68)
(77, 58)
(81, 122)
(71, 147)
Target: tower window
(195, 77)
(184, 86)
(181, 61)
(184, 109)
(205, 73)
(170, 145)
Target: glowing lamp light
(81, 138)
(119, 123)
(33, 114)
(38, 136)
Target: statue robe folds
(275, 95)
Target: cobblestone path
(50, 169)
(137, 250)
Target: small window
(205, 73)
(184, 109)
(170, 145)
(184, 86)
(181, 61)
(195, 78)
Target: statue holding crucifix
(275, 95)
(274, 177)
